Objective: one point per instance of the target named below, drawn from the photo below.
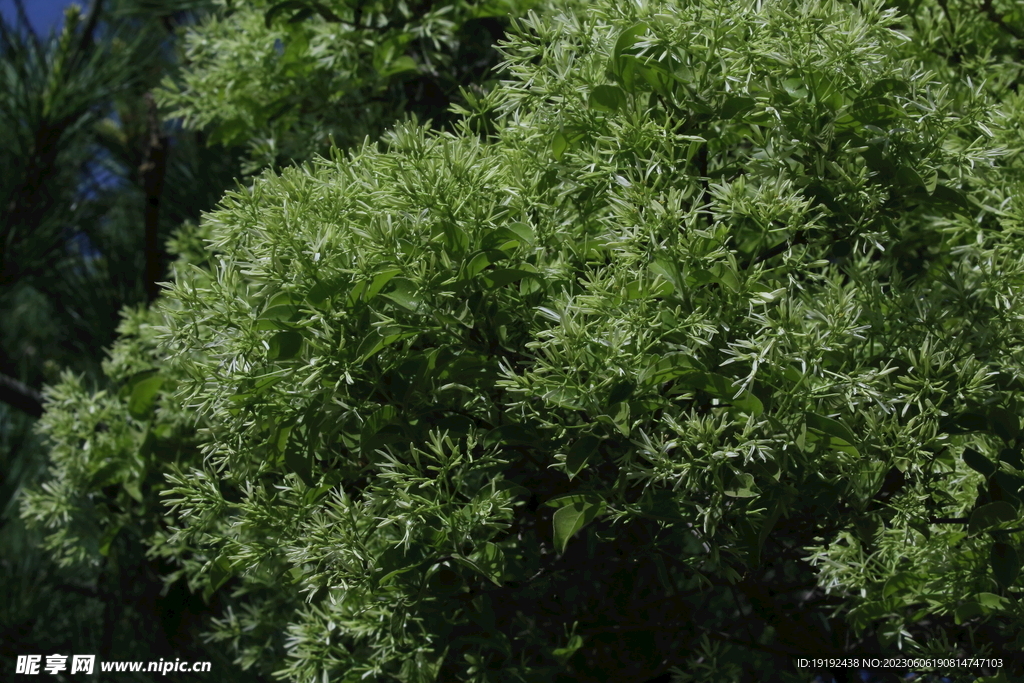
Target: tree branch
(151, 173)
(998, 20)
(21, 396)
(799, 238)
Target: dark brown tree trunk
(151, 173)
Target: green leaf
(735, 106)
(590, 497)
(280, 313)
(279, 441)
(513, 435)
(990, 601)
(990, 515)
(368, 291)
(220, 572)
(724, 274)
(907, 177)
(888, 85)
(967, 611)
(380, 417)
(280, 8)
(500, 277)
(618, 417)
(488, 562)
(669, 367)
(455, 239)
(285, 346)
(741, 485)
(668, 269)
(108, 538)
(523, 232)
(503, 239)
(663, 576)
(313, 495)
(624, 65)
(1005, 563)
(876, 111)
(564, 654)
(972, 422)
(322, 292)
(1012, 457)
(1008, 487)
(476, 264)
(404, 294)
(569, 519)
(826, 91)
(301, 16)
(660, 288)
(378, 339)
(829, 426)
(282, 307)
(978, 462)
(796, 87)
(661, 504)
(953, 199)
(513, 488)
(299, 459)
(142, 396)
(607, 98)
(559, 144)
(839, 434)
(580, 453)
(660, 76)
(628, 38)
(620, 391)
(899, 583)
(303, 8)
(721, 387)
(402, 64)
(131, 487)
(255, 386)
(769, 524)
(1005, 423)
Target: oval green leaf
(1005, 563)
(581, 452)
(991, 515)
(559, 144)
(523, 231)
(607, 98)
(741, 486)
(978, 462)
(899, 583)
(568, 520)
(830, 427)
(404, 294)
(142, 399)
(285, 346)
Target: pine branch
(21, 396)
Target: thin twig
(21, 396)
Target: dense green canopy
(693, 347)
